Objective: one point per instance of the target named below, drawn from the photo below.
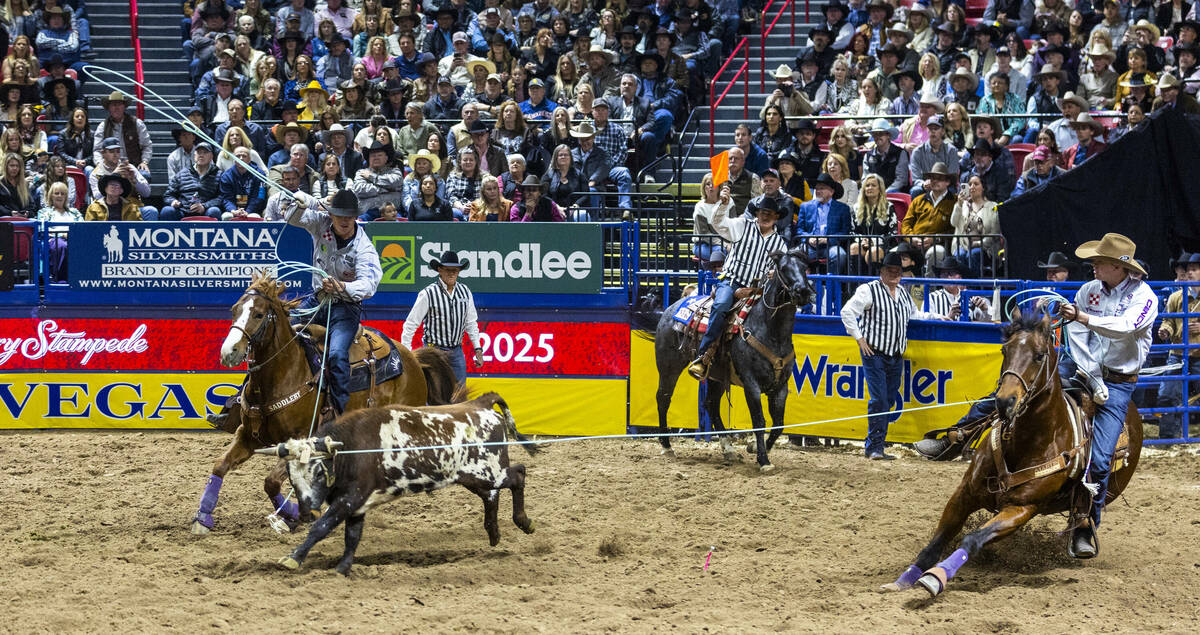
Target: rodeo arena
(760, 315)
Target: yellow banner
(828, 383)
(151, 400)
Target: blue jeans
(620, 177)
(973, 258)
(343, 319)
(457, 360)
(722, 302)
(149, 213)
(883, 373)
(1170, 394)
(655, 134)
(707, 252)
(1107, 424)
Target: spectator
(534, 206)
(181, 157)
(1170, 393)
(11, 143)
(873, 225)
(308, 20)
(409, 59)
(537, 107)
(884, 75)
(1090, 142)
(773, 135)
(819, 50)
(233, 139)
(887, 159)
(836, 24)
(216, 106)
(708, 222)
(743, 184)
(488, 29)
(566, 80)
(58, 209)
(113, 205)
(1171, 95)
(814, 87)
(510, 181)
(1011, 15)
(246, 62)
(459, 135)
(241, 193)
(674, 65)
(963, 84)
(974, 215)
(835, 166)
(915, 130)
(510, 132)
(564, 181)
(997, 181)
(1135, 115)
(790, 180)
(300, 158)
(1144, 38)
(585, 101)
(446, 104)
(337, 65)
(226, 63)
(269, 104)
(869, 101)
(21, 51)
(559, 131)
(906, 103)
(947, 301)
(75, 140)
(416, 134)
(129, 131)
(957, 128)
(337, 145)
(933, 151)
(56, 172)
(1044, 170)
(137, 187)
(15, 197)
(396, 105)
(429, 205)
(421, 163)
(661, 91)
(493, 96)
(340, 15)
(1001, 101)
(757, 159)
(841, 141)
(772, 189)
(31, 135)
(1018, 83)
(287, 135)
(378, 183)
(986, 128)
(879, 15)
(439, 41)
(194, 191)
(330, 179)
(1045, 138)
(841, 89)
(492, 159)
(1187, 69)
(58, 38)
(944, 48)
(1112, 23)
(1139, 91)
(929, 213)
(316, 101)
(302, 76)
(490, 206)
(1137, 73)
(820, 218)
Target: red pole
(137, 57)
(746, 84)
(793, 39)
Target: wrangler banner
(827, 383)
(503, 257)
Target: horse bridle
(786, 291)
(1030, 393)
(252, 338)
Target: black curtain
(1145, 186)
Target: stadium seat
(252, 219)
(975, 8)
(1029, 45)
(1019, 152)
(900, 202)
(22, 248)
(825, 128)
(199, 218)
(1166, 42)
(81, 186)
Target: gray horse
(770, 322)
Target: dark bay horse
(283, 388)
(1021, 468)
(769, 322)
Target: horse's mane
(272, 289)
(1031, 321)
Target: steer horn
(327, 445)
(280, 451)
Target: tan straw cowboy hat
(435, 162)
(1114, 247)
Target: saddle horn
(280, 451)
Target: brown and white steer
(351, 484)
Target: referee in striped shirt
(447, 309)
(877, 316)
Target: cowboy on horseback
(753, 241)
(344, 252)
(1110, 331)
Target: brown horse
(1026, 464)
(280, 399)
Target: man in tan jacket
(1170, 393)
(930, 213)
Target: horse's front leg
(712, 405)
(955, 514)
(1002, 524)
(776, 404)
(236, 454)
(758, 422)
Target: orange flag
(720, 168)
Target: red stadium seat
(199, 218)
(900, 202)
(1029, 45)
(1019, 152)
(1166, 42)
(973, 21)
(825, 128)
(81, 186)
(975, 8)
(1108, 122)
(70, 72)
(22, 246)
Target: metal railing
(714, 101)
(767, 28)
(137, 58)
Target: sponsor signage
(502, 257)
(141, 256)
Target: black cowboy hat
(336, 38)
(836, 4)
(946, 28)
(907, 248)
(1055, 26)
(803, 124)
(178, 130)
(786, 155)
(291, 35)
(1186, 47)
(1055, 260)
(109, 178)
(910, 73)
(769, 204)
(478, 126)
(987, 29)
(820, 29)
(48, 89)
(892, 259)
(667, 32)
(445, 10)
(952, 264)
(985, 146)
(449, 259)
(212, 9)
(379, 146)
(344, 203)
(825, 179)
(651, 56)
(881, 4)
(628, 29)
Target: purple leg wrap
(909, 577)
(208, 502)
(951, 564)
(288, 510)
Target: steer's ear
(280, 451)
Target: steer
(322, 472)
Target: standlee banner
(133, 373)
(828, 383)
(142, 256)
(500, 257)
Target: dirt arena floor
(95, 539)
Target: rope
(649, 435)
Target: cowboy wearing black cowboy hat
(447, 310)
(946, 300)
(823, 216)
(114, 203)
(1057, 266)
(535, 206)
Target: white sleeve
(853, 310)
(415, 317)
(367, 270)
(472, 322)
(1136, 317)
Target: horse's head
(791, 273)
(1028, 352)
(310, 469)
(252, 317)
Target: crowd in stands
(932, 113)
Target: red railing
(137, 58)
(743, 46)
(767, 28)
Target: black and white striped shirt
(446, 316)
(882, 318)
(748, 261)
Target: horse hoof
(199, 529)
(932, 584)
(668, 453)
(528, 528)
(289, 563)
(892, 586)
(766, 468)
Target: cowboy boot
(932, 448)
(698, 369)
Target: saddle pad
(695, 312)
(387, 367)
(689, 307)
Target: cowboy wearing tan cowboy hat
(1110, 327)
(1088, 133)
(1171, 95)
(794, 103)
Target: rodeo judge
(342, 250)
(877, 317)
(1109, 330)
(447, 309)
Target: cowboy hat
(1186, 47)
(786, 155)
(769, 204)
(488, 64)
(434, 160)
(1100, 50)
(178, 130)
(883, 126)
(1084, 119)
(893, 259)
(911, 74)
(938, 106)
(836, 4)
(650, 56)
(966, 74)
(828, 181)
(48, 89)
(596, 49)
(403, 13)
(531, 182)
(1136, 80)
(951, 264)
(1050, 70)
(940, 169)
(923, 9)
(449, 259)
(901, 29)
(583, 130)
(225, 75)
(663, 31)
(1149, 26)
(109, 178)
(478, 126)
(313, 85)
(1055, 260)
(984, 29)
(283, 128)
(291, 34)
(115, 96)
(983, 145)
(783, 72)
(337, 128)
(992, 121)
(1114, 247)
(1077, 100)
(881, 4)
(908, 249)
(1167, 81)
(803, 125)
(379, 146)
(344, 203)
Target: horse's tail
(510, 424)
(442, 386)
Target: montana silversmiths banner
(503, 257)
(191, 256)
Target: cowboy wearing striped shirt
(877, 316)
(447, 309)
(752, 241)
